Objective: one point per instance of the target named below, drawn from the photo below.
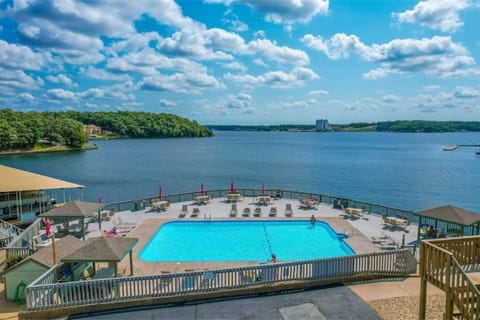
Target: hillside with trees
(29, 130)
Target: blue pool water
(183, 241)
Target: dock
(456, 146)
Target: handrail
(44, 294)
(443, 263)
(26, 237)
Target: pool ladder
(209, 218)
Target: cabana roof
(451, 214)
(102, 250)
(14, 180)
(74, 209)
(63, 247)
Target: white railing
(25, 238)
(44, 293)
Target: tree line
(23, 130)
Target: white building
(322, 125)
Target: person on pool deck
(313, 219)
(274, 258)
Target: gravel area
(406, 308)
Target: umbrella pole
(99, 222)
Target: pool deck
(360, 230)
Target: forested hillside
(23, 130)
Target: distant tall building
(322, 125)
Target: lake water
(405, 170)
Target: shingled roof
(452, 214)
(102, 249)
(74, 209)
(63, 247)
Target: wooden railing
(21, 251)
(25, 239)
(44, 293)
(9, 231)
(443, 263)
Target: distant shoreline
(48, 150)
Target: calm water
(405, 170)
(243, 241)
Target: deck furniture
(273, 212)
(263, 199)
(309, 203)
(246, 212)
(183, 213)
(195, 212)
(288, 210)
(233, 197)
(258, 212)
(160, 205)
(233, 211)
(202, 199)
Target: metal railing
(45, 293)
(335, 201)
(444, 262)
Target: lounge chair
(184, 211)
(120, 221)
(381, 239)
(233, 211)
(288, 210)
(195, 212)
(246, 212)
(273, 212)
(258, 212)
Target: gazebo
(102, 249)
(75, 210)
(455, 220)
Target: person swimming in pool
(274, 258)
(313, 219)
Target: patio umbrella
(100, 199)
(202, 190)
(232, 187)
(263, 188)
(48, 227)
(160, 193)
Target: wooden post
(54, 253)
(100, 222)
(449, 291)
(423, 283)
(131, 263)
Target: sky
(244, 62)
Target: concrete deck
(360, 230)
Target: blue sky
(244, 61)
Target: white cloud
(276, 79)
(466, 93)
(239, 102)
(318, 93)
(17, 79)
(273, 52)
(441, 15)
(60, 94)
(438, 56)
(101, 74)
(20, 57)
(190, 83)
(284, 11)
(389, 98)
(62, 79)
(167, 103)
(235, 66)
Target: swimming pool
(215, 241)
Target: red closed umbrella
(160, 193)
(232, 187)
(263, 188)
(48, 227)
(202, 190)
(100, 199)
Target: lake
(405, 170)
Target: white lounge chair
(183, 212)
(246, 212)
(288, 210)
(273, 212)
(258, 212)
(233, 211)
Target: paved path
(332, 303)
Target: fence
(45, 294)
(26, 237)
